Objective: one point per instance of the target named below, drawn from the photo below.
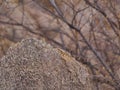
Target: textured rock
(34, 65)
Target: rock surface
(35, 65)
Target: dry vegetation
(88, 29)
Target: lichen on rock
(35, 65)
